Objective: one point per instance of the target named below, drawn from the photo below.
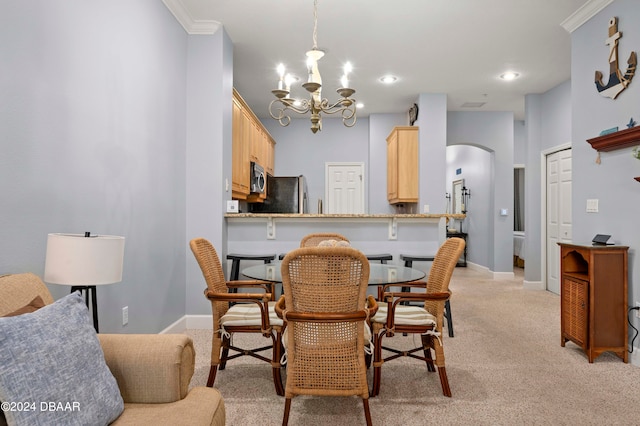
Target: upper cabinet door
(251, 142)
(240, 173)
(402, 165)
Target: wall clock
(413, 114)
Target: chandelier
(279, 108)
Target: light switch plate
(592, 206)
(232, 206)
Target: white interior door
(558, 213)
(344, 188)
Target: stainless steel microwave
(258, 180)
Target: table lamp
(84, 262)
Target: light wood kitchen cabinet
(593, 298)
(240, 173)
(251, 142)
(262, 148)
(256, 142)
(271, 154)
(402, 165)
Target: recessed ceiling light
(359, 105)
(388, 79)
(508, 76)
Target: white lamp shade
(74, 259)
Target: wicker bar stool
(235, 258)
(382, 257)
(408, 262)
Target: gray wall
(556, 115)
(116, 132)
(548, 127)
(300, 152)
(494, 132)
(380, 126)
(208, 154)
(611, 181)
(120, 124)
(433, 120)
(92, 133)
(476, 166)
(519, 142)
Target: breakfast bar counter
(371, 233)
(343, 216)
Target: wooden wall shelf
(616, 140)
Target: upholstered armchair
(152, 372)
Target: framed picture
(458, 205)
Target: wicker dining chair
(325, 309)
(393, 317)
(251, 313)
(312, 240)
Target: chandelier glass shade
(281, 107)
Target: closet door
(558, 213)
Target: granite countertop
(347, 216)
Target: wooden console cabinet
(593, 298)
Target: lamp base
(89, 293)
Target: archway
(475, 165)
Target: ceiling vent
(473, 104)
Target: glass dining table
(379, 274)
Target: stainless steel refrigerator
(285, 194)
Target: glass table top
(379, 274)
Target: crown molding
(582, 15)
(190, 25)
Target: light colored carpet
(505, 367)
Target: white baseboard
(533, 285)
(503, 275)
(203, 322)
(528, 285)
(634, 358)
(200, 322)
(177, 327)
(479, 268)
(489, 273)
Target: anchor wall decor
(617, 81)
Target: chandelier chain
(315, 24)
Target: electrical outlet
(637, 305)
(125, 315)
